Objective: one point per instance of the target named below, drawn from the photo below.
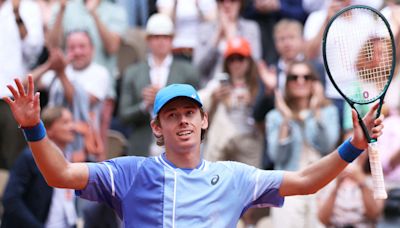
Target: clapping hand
(282, 107)
(317, 98)
(149, 95)
(57, 61)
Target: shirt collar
(166, 63)
(163, 159)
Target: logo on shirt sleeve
(215, 180)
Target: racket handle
(376, 171)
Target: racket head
(359, 54)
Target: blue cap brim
(173, 91)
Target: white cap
(160, 24)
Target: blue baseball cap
(172, 91)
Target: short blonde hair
(51, 114)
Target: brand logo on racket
(365, 94)
(215, 180)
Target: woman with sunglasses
(301, 129)
(229, 100)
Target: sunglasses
(236, 58)
(295, 77)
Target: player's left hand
(374, 127)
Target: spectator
(80, 85)
(269, 12)
(187, 16)
(213, 36)
(142, 81)
(21, 41)
(300, 130)
(348, 201)
(28, 200)
(105, 22)
(289, 43)
(229, 101)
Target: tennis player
(178, 188)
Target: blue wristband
(35, 133)
(348, 152)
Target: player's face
(62, 131)
(79, 50)
(181, 122)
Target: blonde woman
(302, 128)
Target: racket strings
(360, 41)
(375, 62)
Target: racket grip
(376, 171)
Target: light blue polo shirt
(152, 192)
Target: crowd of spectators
(257, 66)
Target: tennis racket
(359, 57)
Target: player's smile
(185, 133)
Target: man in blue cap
(178, 188)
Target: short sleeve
(110, 180)
(260, 186)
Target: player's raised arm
(57, 171)
(317, 175)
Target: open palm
(25, 105)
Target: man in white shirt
(80, 84)
(21, 41)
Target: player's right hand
(24, 105)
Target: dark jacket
(27, 196)
(135, 79)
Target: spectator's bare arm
(56, 32)
(58, 63)
(23, 32)
(111, 40)
(313, 46)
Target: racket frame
(383, 92)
